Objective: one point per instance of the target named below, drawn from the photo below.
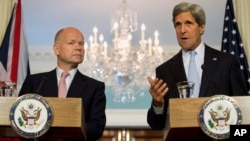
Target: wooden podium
(67, 122)
(183, 118)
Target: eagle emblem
(30, 116)
(217, 114)
(219, 118)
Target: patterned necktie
(62, 89)
(193, 74)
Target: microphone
(41, 84)
(205, 72)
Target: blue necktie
(193, 74)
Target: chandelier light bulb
(129, 37)
(143, 27)
(115, 26)
(156, 34)
(91, 39)
(101, 38)
(95, 30)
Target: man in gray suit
(69, 49)
(218, 72)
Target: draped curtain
(5, 12)
(242, 13)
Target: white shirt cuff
(158, 110)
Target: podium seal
(217, 114)
(30, 116)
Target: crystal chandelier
(123, 67)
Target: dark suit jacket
(224, 77)
(91, 91)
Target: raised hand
(158, 90)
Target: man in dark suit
(69, 49)
(218, 72)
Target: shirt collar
(199, 50)
(59, 71)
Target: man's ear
(56, 48)
(202, 29)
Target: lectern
(183, 118)
(67, 122)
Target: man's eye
(189, 22)
(177, 24)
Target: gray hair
(196, 10)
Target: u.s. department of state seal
(217, 114)
(30, 116)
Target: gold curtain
(6, 7)
(242, 13)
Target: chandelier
(123, 67)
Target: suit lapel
(210, 63)
(178, 68)
(51, 83)
(77, 86)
